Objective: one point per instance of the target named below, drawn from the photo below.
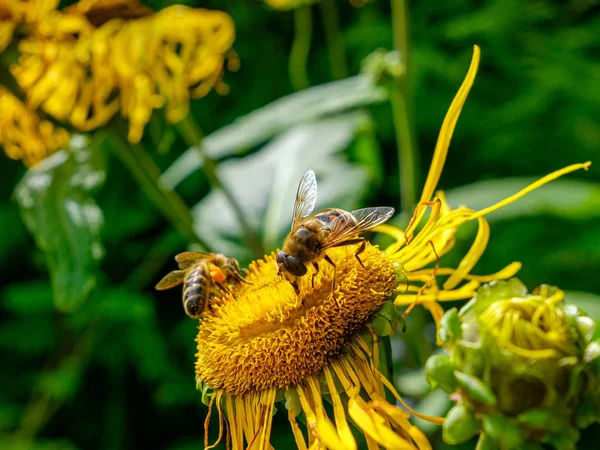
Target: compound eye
(291, 264)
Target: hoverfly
(312, 235)
(201, 274)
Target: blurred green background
(118, 372)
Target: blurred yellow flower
(23, 135)
(98, 57)
(260, 343)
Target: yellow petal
(443, 142)
(472, 256)
(533, 186)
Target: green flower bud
(592, 357)
(523, 364)
(476, 389)
(385, 67)
(565, 440)
(541, 419)
(450, 326)
(486, 442)
(440, 372)
(503, 430)
(460, 425)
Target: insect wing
(306, 198)
(188, 259)
(368, 218)
(172, 279)
(343, 227)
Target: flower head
(23, 135)
(520, 366)
(96, 58)
(263, 342)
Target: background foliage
(118, 373)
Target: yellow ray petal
(472, 256)
(373, 425)
(462, 293)
(443, 142)
(507, 272)
(392, 389)
(340, 416)
(532, 187)
(298, 437)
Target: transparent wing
(306, 197)
(360, 221)
(172, 279)
(188, 259)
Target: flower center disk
(264, 335)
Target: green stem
(300, 48)
(407, 158)
(192, 135)
(402, 111)
(386, 363)
(147, 174)
(335, 39)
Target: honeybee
(312, 235)
(201, 275)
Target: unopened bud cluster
(522, 368)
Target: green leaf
(265, 183)
(62, 382)
(34, 337)
(566, 198)
(309, 105)
(27, 299)
(56, 206)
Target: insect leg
(328, 259)
(235, 274)
(316, 266)
(363, 245)
(361, 249)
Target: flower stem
(401, 111)
(147, 174)
(386, 364)
(335, 39)
(192, 135)
(300, 48)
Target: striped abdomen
(196, 288)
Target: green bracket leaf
(57, 208)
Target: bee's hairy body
(201, 274)
(305, 242)
(197, 285)
(313, 234)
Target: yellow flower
(23, 135)
(260, 343)
(88, 62)
(436, 237)
(265, 342)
